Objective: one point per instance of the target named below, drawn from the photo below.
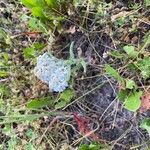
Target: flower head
(55, 72)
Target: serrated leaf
(113, 73)
(39, 103)
(130, 84)
(146, 125)
(130, 50)
(133, 102)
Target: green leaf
(18, 118)
(33, 3)
(51, 3)
(60, 104)
(36, 24)
(67, 95)
(6, 57)
(39, 103)
(144, 66)
(147, 2)
(120, 21)
(4, 90)
(146, 125)
(117, 54)
(84, 147)
(133, 102)
(147, 37)
(130, 84)
(4, 73)
(3, 34)
(146, 42)
(64, 98)
(83, 63)
(29, 146)
(29, 52)
(92, 146)
(122, 95)
(38, 46)
(29, 133)
(113, 73)
(29, 3)
(130, 50)
(38, 12)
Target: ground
(95, 107)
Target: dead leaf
(83, 127)
(145, 102)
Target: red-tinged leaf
(83, 127)
(81, 122)
(145, 102)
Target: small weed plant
(135, 64)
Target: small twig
(25, 33)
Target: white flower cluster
(55, 72)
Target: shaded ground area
(94, 36)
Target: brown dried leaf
(145, 102)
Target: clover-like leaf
(133, 102)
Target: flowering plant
(55, 72)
